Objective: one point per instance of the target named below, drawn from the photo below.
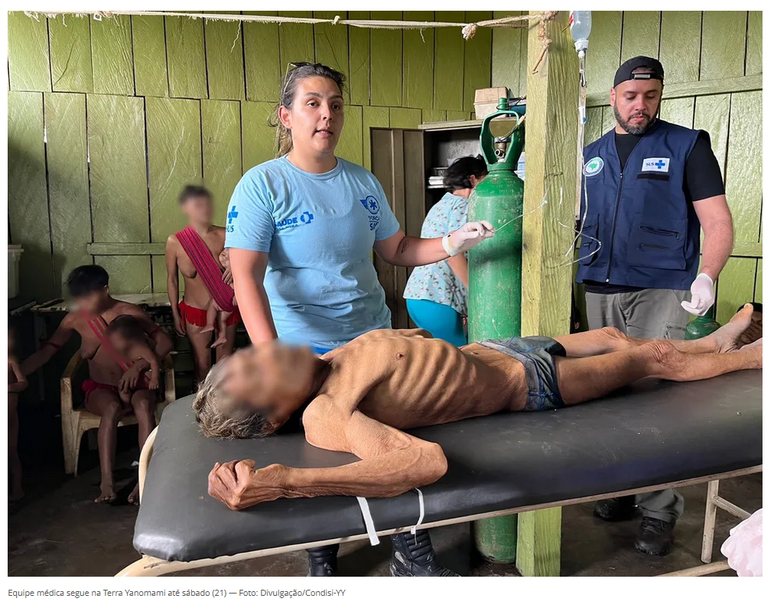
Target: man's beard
(631, 129)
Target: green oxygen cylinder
(494, 299)
(701, 326)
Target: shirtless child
(17, 382)
(129, 338)
(109, 372)
(216, 315)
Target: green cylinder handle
(510, 158)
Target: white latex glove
(702, 295)
(466, 237)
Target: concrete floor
(58, 531)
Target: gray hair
(296, 73)
(222, 416)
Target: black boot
(615, 509)
(655, 537)
(413, 556)
(323, 561)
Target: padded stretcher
(652, 434)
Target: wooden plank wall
(709, 50)
(133, 108)
(109, 119)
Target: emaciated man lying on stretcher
(360, 397)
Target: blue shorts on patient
(535, 353)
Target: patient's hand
(238, 486)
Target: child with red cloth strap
(109, 373)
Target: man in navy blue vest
(649, 189)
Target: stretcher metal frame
(148, 566)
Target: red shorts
(198, 317)
(89, 386)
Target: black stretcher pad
(653, 433)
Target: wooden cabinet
(403, 160)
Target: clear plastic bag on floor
(744, 547)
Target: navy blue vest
(639, 228)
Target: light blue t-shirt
(437, 282)
(319, 230)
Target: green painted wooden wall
(109, 119)
(713, 61)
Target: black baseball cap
(625, 72)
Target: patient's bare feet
(107, 494)
(726, 337)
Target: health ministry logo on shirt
(371, 204)
(295, 221)
(655, 165)
(232, 216)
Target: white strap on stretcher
(421, 511)
(369, 520)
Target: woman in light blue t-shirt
(300, 230)
(437, 295)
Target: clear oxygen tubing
(580, 29)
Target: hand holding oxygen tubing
(467, 237)
(702, 295)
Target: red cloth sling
(99, 326)
(207, 267)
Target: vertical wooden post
(551, 155)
